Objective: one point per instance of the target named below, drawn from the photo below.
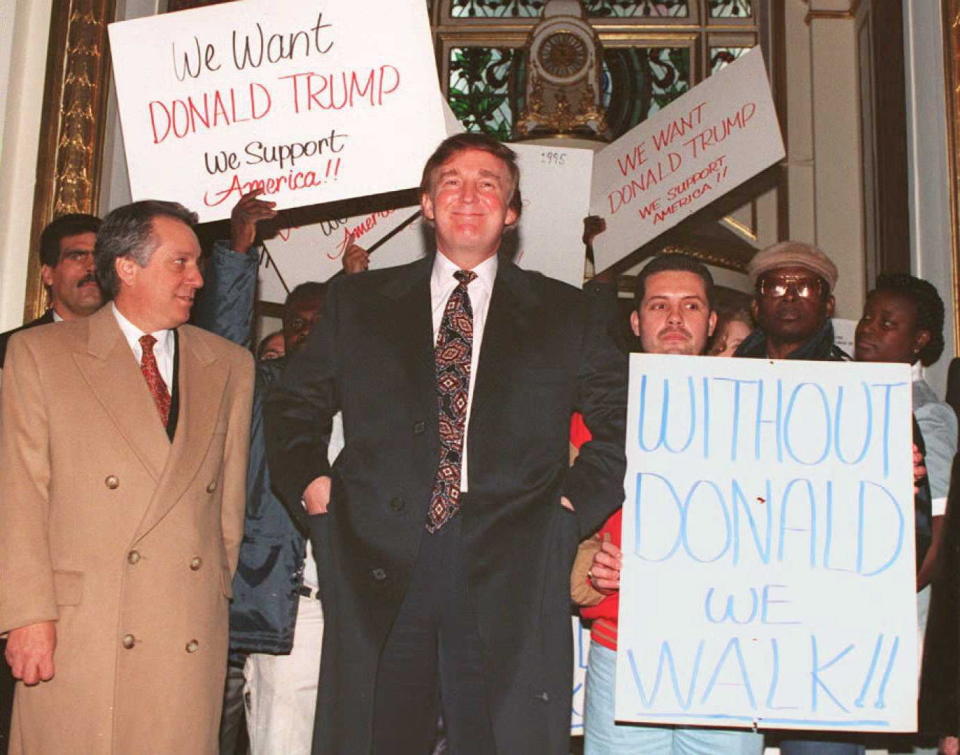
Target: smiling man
(445, 530)
(67, 271)
(123, 440)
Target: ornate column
(71, 137)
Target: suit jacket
(44, 319)
(544, 355)
(126, 540)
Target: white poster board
(315, 252)
(706, 142)
(768, 538)
(313, 102)
(555, 189)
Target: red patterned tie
(452, 362)
(158, 389)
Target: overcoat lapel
(409, 328)
(114, 378)
(202, 383)
(505, 336)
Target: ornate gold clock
(563, 77)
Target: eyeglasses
(776, 288)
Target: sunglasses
(777, 288)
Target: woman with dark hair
(903, 322)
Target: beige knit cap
(793, 254)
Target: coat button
(112, 482)
(129, 641)
(378, 574)
(133, 557)
(212, 486)
(195, 563)
(398, 504)
(192, 647)
(419, 427)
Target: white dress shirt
(162, 350)
(442, 284)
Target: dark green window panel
(730, 8)
(722, 56)
(594, 8)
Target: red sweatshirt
(604, 614)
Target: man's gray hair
(128, 232)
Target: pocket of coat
(68, 585)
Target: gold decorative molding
(72, 126)
(951, 49)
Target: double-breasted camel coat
(126, 539)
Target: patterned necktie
(452, 362)
(158, 389)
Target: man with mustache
(66, 267)
(792, 304)
(673, 315)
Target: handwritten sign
(315, 252)
(706, 142)
(310, 101)
(554, 185)
(768, 546)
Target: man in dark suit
(66, 267)
(446, 529)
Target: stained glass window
(636, 8)
(496, 8)
(594, 8)
(479, 88)
(721, 56)
(486, 86)
(730, 8)
(638, 81)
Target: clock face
(563, 55)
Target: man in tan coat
(123, 448)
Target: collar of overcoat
(115, 380)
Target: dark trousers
(432, 661)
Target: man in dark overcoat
(446, 529)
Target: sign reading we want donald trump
(768, 539)
(309, 101)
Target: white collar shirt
(163, 349)
(442, 284)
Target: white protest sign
(555, 188)
(768, 539)
(315, 252)
(706, 142)
(310, 101)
